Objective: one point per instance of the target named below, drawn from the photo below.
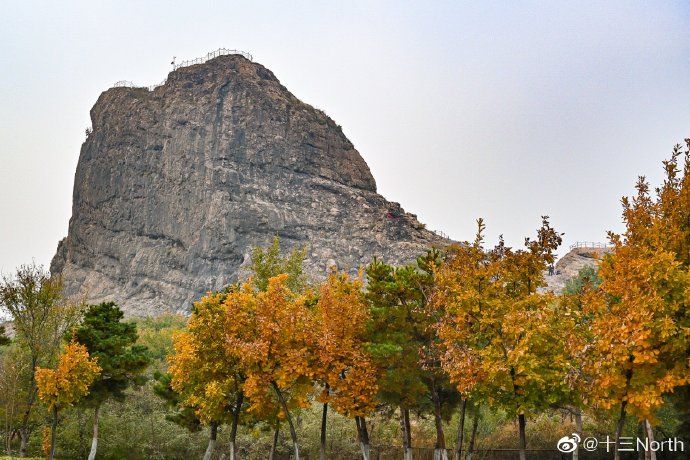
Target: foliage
(500, 335)
(269, 334)
(587, 277)
(4, 340)
(112, 342)
(70, 381)
(40, 314)
(182, 415)
(340, 363)
(156, 334)
(467, 321)
(41, 317)
(14, 375)
(393, 333)
(204, 371)
(640, 327)
(269, 262)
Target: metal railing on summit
(187, 63)
(590, 244)
(211, 55)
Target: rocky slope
(570, 264)
(175, 185)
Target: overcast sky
(504, 110)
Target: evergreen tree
(112, 342)
(402, 341)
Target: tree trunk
(619, 431)
(324, 418)
(461, 430)
(211, 441)
(94, 440)
(293, 433)
(440, 452)
(53, 430)
(523, 437)
(578, 430)
(649, 434)
(473, 435)
(407, 436)
(641, 434)
(23, 441)
(24, 430)
(235, 421)
(274, 446)
(363, 435)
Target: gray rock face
(570, 265)
(175, 186)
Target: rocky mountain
(176, 184)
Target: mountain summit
(176, 184)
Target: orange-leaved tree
(640, 323)
(268, 332)
(340, 363)
(500, 334)
(67, 383)
(578, 336)
(205, 374)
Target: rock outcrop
(175, 185)
(570, 264)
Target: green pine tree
(113, 343)
(399, 335)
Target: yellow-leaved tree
(640, 326)
(269, 333)
(67, 383)
(205, 373)
(340, 364)
(500, 335)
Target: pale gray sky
(505, 110)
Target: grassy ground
(25, 458)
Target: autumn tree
(67, 383)
(340, 364)
(41, 316)
(578, 336)
(500, 334)
(205, 372)
(113, 343)
(640, 325)
(268, 332)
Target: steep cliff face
(175, 185)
